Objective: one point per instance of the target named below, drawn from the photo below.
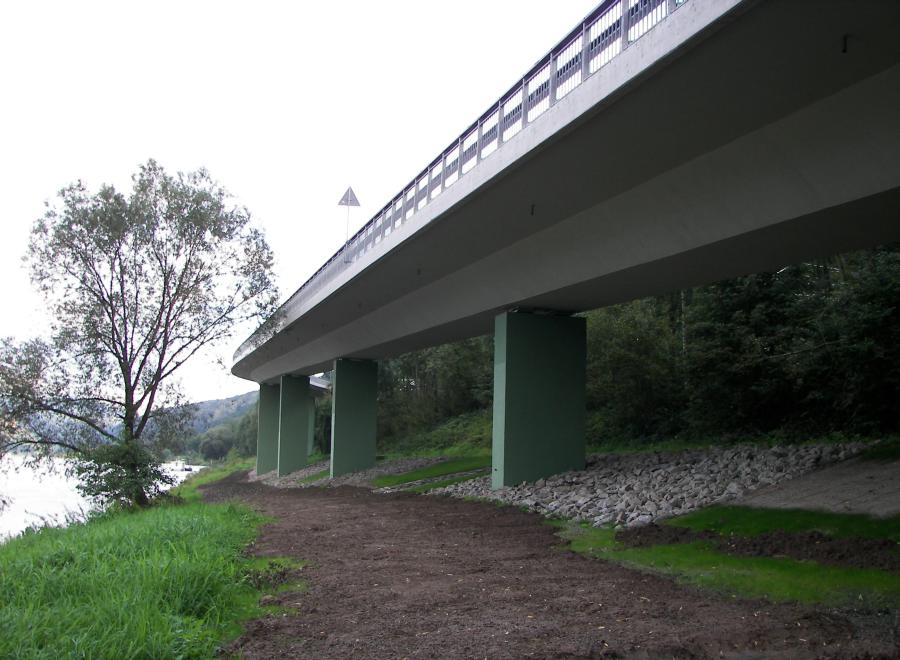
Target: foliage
(124, 473)
(464, 435)
(136, 285)
(213, 448)
(166, 581)
(237, 435)
(634, 379)
(750, 577)
(811, 348)
(420, 389)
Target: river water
(37, 497)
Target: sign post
(348, 200)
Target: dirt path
(400, 575)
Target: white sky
(285, 103)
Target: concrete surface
(854, 486)
(731, 138)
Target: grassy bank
(452, 466)
(777, 579)
(750, 521)
(189, 489)
(469, 434)
(163, 582)
(464, 435)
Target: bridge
(661, 144)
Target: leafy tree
(420, 389)
(634, 369)
(124, 473)
(215, 446)
(137, 285)
(809, 349)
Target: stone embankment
(635, 489)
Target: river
(37, 497)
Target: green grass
(777, 580)
(188, 489)
(887, 449)
(424, 488)
(315, 477)
(451, 466)
(170, 581)
(747, 521)
(464, 435)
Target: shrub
(125, 473)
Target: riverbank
(172, 580)
(47, 496)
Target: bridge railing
(602, 35)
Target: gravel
(635, 489)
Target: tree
(136, 285)
(634, 385)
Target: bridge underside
(764, 139)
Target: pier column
(267, 429)
(294, 424)
(311, 425)
(353, 394)
(539, 397)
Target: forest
(809, 350)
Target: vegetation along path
(401, 575)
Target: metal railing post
(585, 51)
(552, 87)
(478, 140)
(625, 21)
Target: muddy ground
(400, 575)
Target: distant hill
(220, 411)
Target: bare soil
(849, 552)
(399, 575)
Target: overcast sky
(286, 104)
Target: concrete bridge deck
(698, 140)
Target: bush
(125, 473)
(213, 448)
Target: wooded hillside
(811, 349)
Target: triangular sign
(349, 199)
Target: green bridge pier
(538, 415)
